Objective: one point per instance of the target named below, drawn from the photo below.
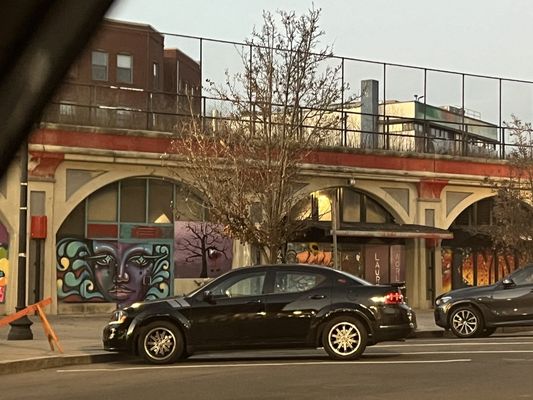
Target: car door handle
(317, 297)
(258, 301)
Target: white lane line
(448, 344)
(248, 365)
(451, 352)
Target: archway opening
(130, 239)
(470, 258)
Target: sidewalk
(80, 338)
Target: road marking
(221, 365)
(448, 344)
(451, 352)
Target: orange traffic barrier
(38, 308)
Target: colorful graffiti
(310, 253)
(200, 250)
(4, 262)
(446, 261)
(111, 271)
(473, 267)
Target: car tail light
(394, 298)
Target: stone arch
(63, 210)
(465, 203)
(381, 196)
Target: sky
(470, 36)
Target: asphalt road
(493, 368)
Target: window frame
(96, 67)
(119, 69)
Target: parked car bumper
(396, 323)
(440, 315)
(115, 338)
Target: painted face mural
(200, 251)
(112, 271)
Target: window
(323, 205)
(375, 214)
(124, 68)
(239, 286)
(133, 200)
(295, 282)
(160, 202)
(103, 204)
(479, 213)
(188, 206)
(156, 76)
(99, 65)
(351, 206)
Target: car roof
(293, 265)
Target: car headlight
(118, 317)
(443, 300)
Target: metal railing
(478, 103)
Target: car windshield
(205, 283)
(522, 276)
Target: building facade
(111, 224)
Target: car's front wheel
(161, 342)
(466, 322)
(344, 338)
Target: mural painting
(200, 250)
(473, 267)
(310, 253)
(4, 262)
(446, 260)
(375, 263)
(111, 271)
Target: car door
(233, 313)
(512, 301)
(295, 299)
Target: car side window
(241, 286)
(294, 282)
(523, 277)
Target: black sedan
(273, 306)
(479, 311)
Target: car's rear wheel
(344, 338)
(161, 342)
(466, 322)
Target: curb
(35, 364)
(428, 334)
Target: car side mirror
(508, 283)
(208, 297)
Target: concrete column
(369, 113)
(49, 286)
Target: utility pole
(21, 328)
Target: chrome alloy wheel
(344, 338)
(160, 343)
(465, 322)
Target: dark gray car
(478, 311)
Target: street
(493, 368)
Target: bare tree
(512, 227)
(205, 241)
(247, 162)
